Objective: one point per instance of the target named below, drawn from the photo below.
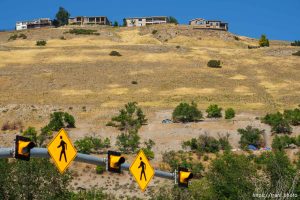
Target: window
(140, 20)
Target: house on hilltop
(92, 20)
(37, 23)
(144, 21)
(209, 24)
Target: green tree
(128, 142)
(129, 121)
(251, 136)
(230, 177)
(62, 16)
(173, 20)
(214, 111)
(124, 22)
(35, 180)
(229, 113)
(292, 116)
(263, 41)
(281, 174)
(185, 112)
(278, 123)
(116, 24)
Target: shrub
(282, 142)
(292, 116)
(214, 64)
(69, 119)
(251, 136)
(214, 111)
(296, 54)
(13, 37)
(6, 126)
(185, 112)
(41, 43)
(128, 142)
(134, 82)
(12, 126)
(58, 121)
(183, 159)
(88, 144)
(154, 32)
(207, 144)
(149, 153)
(263, 41)
(100, 169)
(236, 38)
(82, 31)
(148, 149)
(115, 53)
(229, 113)
(62, 38)
(278, 123)
(178, 47)
(296, 43)
(23, 36)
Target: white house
(144, 21)
(37, 23)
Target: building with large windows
(93, 20)
(209, 24)
(144, 21)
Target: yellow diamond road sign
(142, 170)
(62, 150)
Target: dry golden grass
(80, 71)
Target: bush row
(88, 144)
(207, 144)
(185, 112)
(16, 36)
(280, 122)
(83, 32)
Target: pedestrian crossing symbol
(62, 150)
(142, 170)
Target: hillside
(169, 63)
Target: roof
(146, 17)
(209, 20)
(34, 20)
(86, 16)
(197, 19)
